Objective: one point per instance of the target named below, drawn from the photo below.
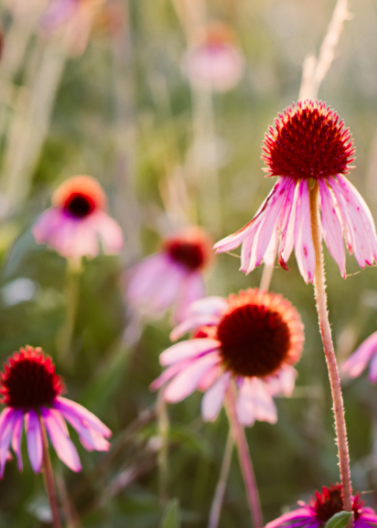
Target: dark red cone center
(79, 205)
(189, 254)
(29, 380)
(330, 502)
(254, 340)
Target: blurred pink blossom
(357, 362)
(252, 338)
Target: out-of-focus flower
(172, 277)
(214, 62)
(308, 144)
(321, 508)
(357, 362)
(31, 392)
(253, 338)
(19, 8)
(77, 223)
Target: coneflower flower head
(322, 507)
(252, 339)
(31, 392)
(308, 144)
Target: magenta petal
(34, 440)
(188, 349)
(191, 323)
(187, 380)
(304, 247)
(209, 377)
(7, 418)
(169, 373)
(373, 370)
(63, 445)
(287, 223)
(70, 408)
(255, 403)
(332, 229)
(89, 437)
(357, 362)
(302, 517)
(17, 436)
(192, 289)
(214, 397)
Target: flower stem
(244, 457)
(49, 479)
(72, 295)
(217, 502)
(324, 325)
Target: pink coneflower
(32, 392)
(172, 277)
(253, 338)
(215, 61)
(357, 362)
(308, 144)
(321, 508)
(77, 224)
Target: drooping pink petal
(191, 323)
(300, 518)
(214, 397)
(187, 380)
(304, 247)
(283, 382)
(209, 377)
(93, 441)
(108, 230)
(6, 429)
(46, 223)
(164, 293)
(57, 13)
(213, 305)
(144, 276)
(254, 402)
(357, 220)
(169, 373)
(357, 362)
(192, 289)
(332, 229)
(17, 436)
(188, 349)
(63, 445)
(71, 408)
(34, 440)
(373, 370)
(287, 224)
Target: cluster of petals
(357, 362)
(77, 225)
(29, 376)
(214, 62)
(321, 508)
(172, 277)
(199, 363)
(308, 146)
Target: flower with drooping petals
(77, 223)
(172, 277)
(252, 338)
(308, 144)
(215, 61)
(357, 362)
(31, 392)
(321, 508)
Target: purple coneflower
(321, 508)
(31, 392)
(357, 362)
(77, 224)
(172, 277)
(215, 61)
(309, 144)
(253, 338)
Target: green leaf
(171, 515)
(339, 520)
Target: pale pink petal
(68, 407)
(247, 248)
(214, 397)
(283, 382)
(192, 289)
(143, 277)
(169, 373)
(108, 230)
(34, 440)
(357, 362)
(187, 380)
(332, 228)
(188, 349)
(6, 429)
(164, 293)
(57, 13)
(300, 518)
(208, 306)
(304, 247)
(17, 436)
(269, 256)
(63, 445)
(209, 378)
(46, 224)
(287, 223)
(93, 441)
(373, 370)
(191, 323)
(254, 402)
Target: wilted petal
(357, 362)
(63, 445)
(187, 380)
(34, 440)
(254, 402)
(192, 289)
(188, 349)
(304, 247)
(214, 397)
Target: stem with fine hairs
(49, 479)
(244, 457)
(332, 367)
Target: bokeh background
(123, 112)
